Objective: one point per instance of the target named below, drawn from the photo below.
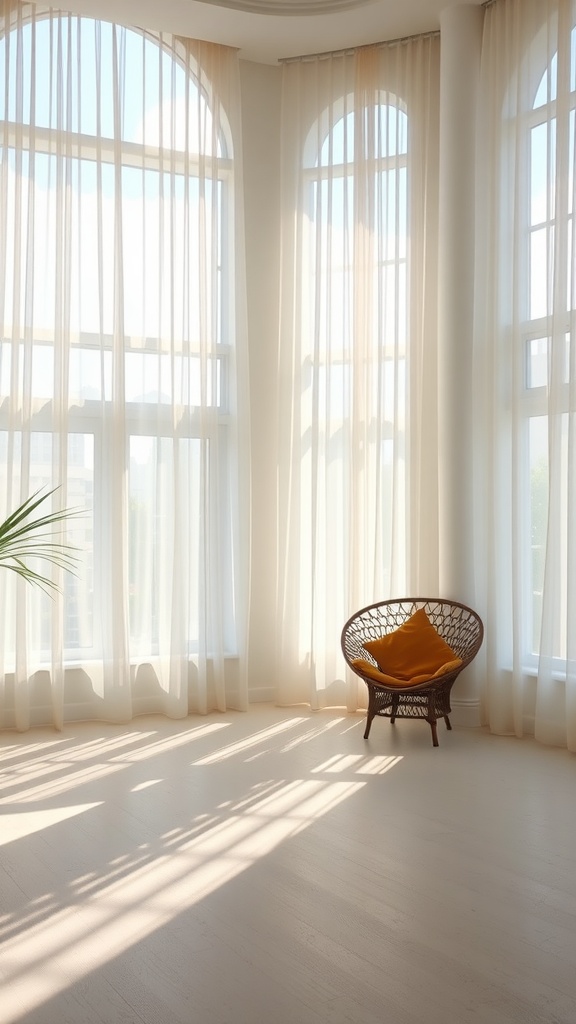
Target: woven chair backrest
(459, 625)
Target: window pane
(153, 491)
(90, 374)
(541, 255)
(334, 384)
(388, 397)
(338, 146)
(384, 130)
(391, 213)
(537, 362)
(538, 520)
(543, 160)
(391, 296)
(331, 241)
(154, 378)
(79, 589)
(549, 530)
(546, 91)
(389, 131)
(150, 534)
(571, 165)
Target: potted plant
(27, 533)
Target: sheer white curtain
(122, 377)
(357, 392)
(526, 357)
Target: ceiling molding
(288, 7)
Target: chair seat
(366, 668)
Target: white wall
(261, 155)
(461, 38)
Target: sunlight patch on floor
(241, 746)
(108, 904)
(25, 823)
(360, 764)
(53, 954)
(39, 788)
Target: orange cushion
(368, 669)
(413, 650)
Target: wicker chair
(457, 624)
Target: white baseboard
(262, 695)
(465, 712)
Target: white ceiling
(263, 34)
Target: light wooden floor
(274, 868)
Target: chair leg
(371, 711)
(394, 709)
(432, 722)
(448, 722)
(369, 720)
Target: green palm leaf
(24, 535)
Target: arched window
(357, 327)
(117, 320)
(358, 207)
(548, 312)
(355, 302)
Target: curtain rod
(348, 50)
